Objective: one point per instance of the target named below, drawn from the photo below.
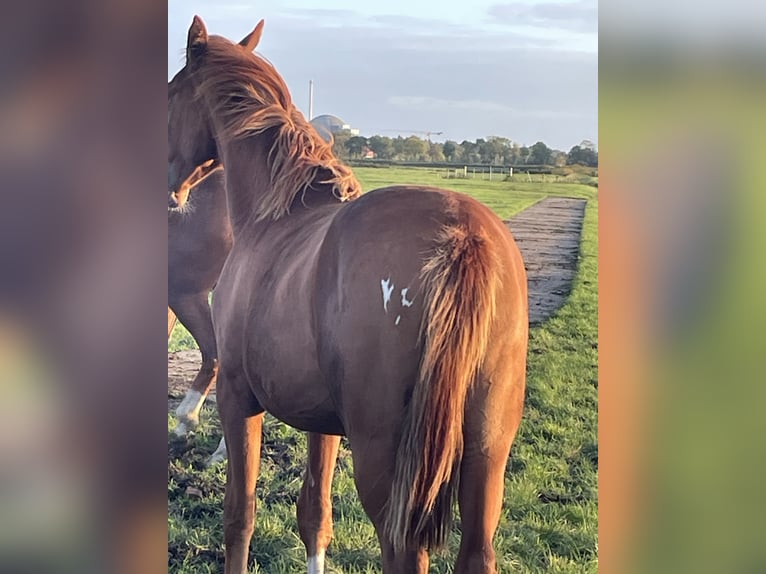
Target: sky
(524, 70)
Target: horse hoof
(219, 455)
(215, 459)
(183, 428)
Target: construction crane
(428, 134)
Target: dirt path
(548, 234)
(182, 368)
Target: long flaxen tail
(461, 281)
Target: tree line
(493, 150)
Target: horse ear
(250, 41)
(196, 43)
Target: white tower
(311, 100)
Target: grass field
(549, 519)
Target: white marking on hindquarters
(388, 288)
(405, 302)
(188, 412)
(397, 319)
(219, 455)
(316, 563)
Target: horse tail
(461, 281)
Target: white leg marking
(192, 402)
(405, 302)
(316, 563)
(397, 319)
(388, 288)
(188, 412)
(219, 455)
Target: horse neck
(210, 204)
(211, 192)
(247, 178)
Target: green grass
(549, 519)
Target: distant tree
(576, 156)
(339, 143)
(398, 148)
(449, 149)
(540, 154)
(512, 156)
(493, 149)
(582, 156)
(355, 146)
(497, 148)
(469, 151)
(382, 146)
(436, 152)
(484, 150)
(558, 158)
(415, 149)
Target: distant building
(327, 125)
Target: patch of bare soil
(182, 368)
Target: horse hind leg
(315, 502)
(373, 474)
(489, 428)
(194, 314)
(480, 499)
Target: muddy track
(548, 235)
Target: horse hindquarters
(461, 282)
(493, 413)
(410, 455)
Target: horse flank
(461, 279)
(251, 98)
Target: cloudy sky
(526, 70)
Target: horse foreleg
(315, 502)
(194, 314)
(242, 421)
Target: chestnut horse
(199, 239)
(397, 318)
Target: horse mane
(249, 96)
